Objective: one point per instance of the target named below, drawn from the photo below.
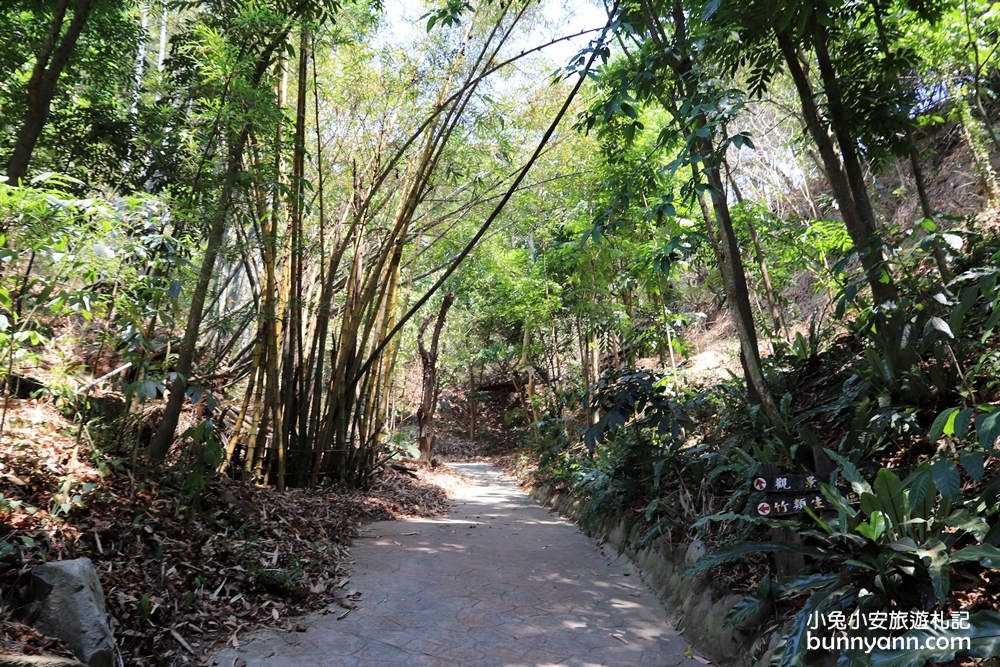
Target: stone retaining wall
(694, 604)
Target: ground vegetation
(250, 253)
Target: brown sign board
(781, 505)
(786, 483)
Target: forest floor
(182, 568)
(497, 580)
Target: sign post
(791, 494)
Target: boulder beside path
(67, 602)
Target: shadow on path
(498, 581)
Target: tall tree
(50, 61)
(668, 69)
(252, 64)
(429, 378)
(797, 35)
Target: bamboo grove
(292, 183)
(319, 209)
(322, 362)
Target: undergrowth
(902, 399)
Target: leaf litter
(182, 573)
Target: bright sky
(569, 17)
(561, 17)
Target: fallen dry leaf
(228, 560)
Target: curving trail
(500, 581)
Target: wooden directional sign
(782, 505)
(786, 483)
(791, 494)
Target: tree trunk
(525, 363)
(735, 285)
(738, 296)
(980, 157)
(772, 301)
(724, 240)
(860, 231)
(292, 353)
(842, 130)
(594, 366)
(428, 398)
(164, 436)
(472, 402)
(912, 152)
(49, 64)
(925, 206)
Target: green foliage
(898, 548)
(757, 605)
(86, 257)
(72, 493)
(449, 15)
(89, 132)
(736, 552)
(7, 504)
(608, 246)
(620, 396)
(940, 645)
(204, 456)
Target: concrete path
(500, 581)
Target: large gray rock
(68, 603)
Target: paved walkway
(500, 581)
